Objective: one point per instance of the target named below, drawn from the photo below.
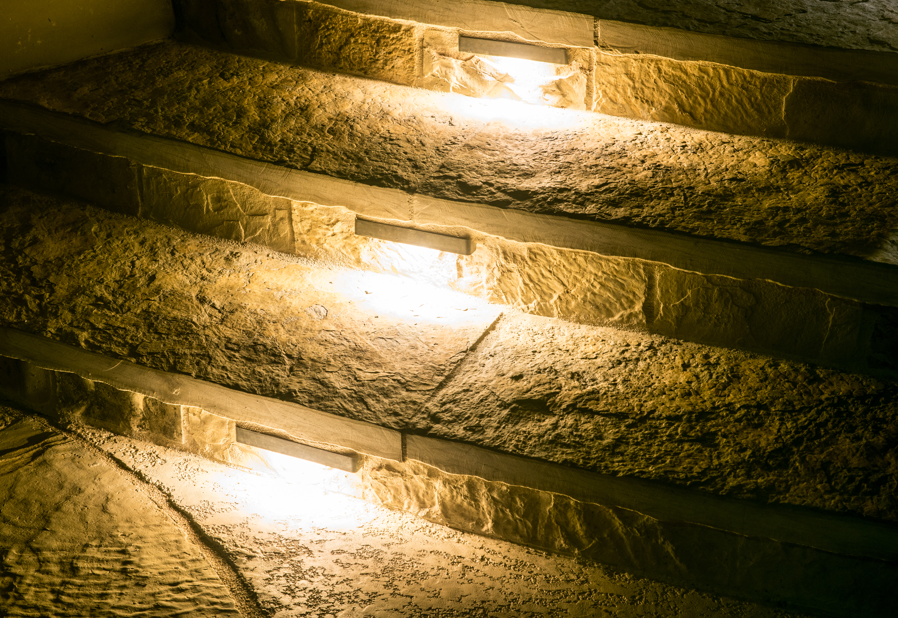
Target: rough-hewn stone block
(668, 550)
(853, 114)
(696, 94)
(758, 315)
(212, 206)
(109, 182)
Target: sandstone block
(758, 315)
(109, 182)
(671, 551)
(353, 43)
(696, 94)
(851, 114)
(216, 207)
(572, 285)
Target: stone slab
(841, 277)
(78, 538)
(719, 421)
(743, 189)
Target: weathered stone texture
(79, 539)
(738, 188)
(695, 94)
(872, 24)
(620, 537)
(308, 33)
(212, 206)
(853, 114)
(446, 69)
(355, 344)
(109, 182)
(638, 405)
(122, 412)
(760, 315)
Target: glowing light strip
(419, 238)
(506, 49)
(349, 463)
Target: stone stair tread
(798, 197)
(620, 403)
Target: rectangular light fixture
(348, 463)
(419, 238)
(505, 49)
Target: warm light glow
(409, 300)
(518, 113)
(527, 77)
(287, 489)
(427, 266)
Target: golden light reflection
(428, 266)
(282, 488)
(409, 300)
(519, 113)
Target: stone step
(771, 261)
(624, 447)
(844, 97)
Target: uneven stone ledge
(769, 192)
(800, 558)
(620, 403)
(715, 83)
(869, 25)
(589, 287)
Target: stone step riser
(800, 558)
(576, 285)
(621, 70)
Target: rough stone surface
(79, 539)
(611, 535)
(637, 405)
(762, 315)
(872, 24)
(696, 94)
(621, 403)
(308, 33)
(356, 344)
(738, 188)
(307, 548)
(844, 114)
(213, 206)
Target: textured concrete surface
(304, 549)
(79, 538)
(621, 403)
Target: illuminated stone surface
(344, 342)
(737, 188)
(695, 94)
(305, 548)
(78, 538)
(637, 405)
(621, 403)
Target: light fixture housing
(410, 236)
(507, 49)
(347, 463)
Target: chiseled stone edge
(834, 533)
(777, 57)
(566, 28)
(542, 25)
(845, 277)
(299, 421)
(839, 534)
